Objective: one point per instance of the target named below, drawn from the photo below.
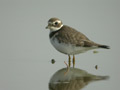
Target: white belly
(68, 48)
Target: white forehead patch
(57, 21)
(50, 23)
(55, 28)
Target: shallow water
(45, 75)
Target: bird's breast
(66, 48)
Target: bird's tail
(104, 46)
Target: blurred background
(26, 52)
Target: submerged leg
(73, 61)
(69, 60)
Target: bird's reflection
(72, 79)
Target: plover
(68, 40)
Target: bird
(68, 40)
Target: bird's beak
(46, 27)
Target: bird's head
(54, 24)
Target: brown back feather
(72, 36)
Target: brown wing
(70, 35)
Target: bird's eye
(56, 23)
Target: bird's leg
(69, 61)
(73, 61)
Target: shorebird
(68, 40)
